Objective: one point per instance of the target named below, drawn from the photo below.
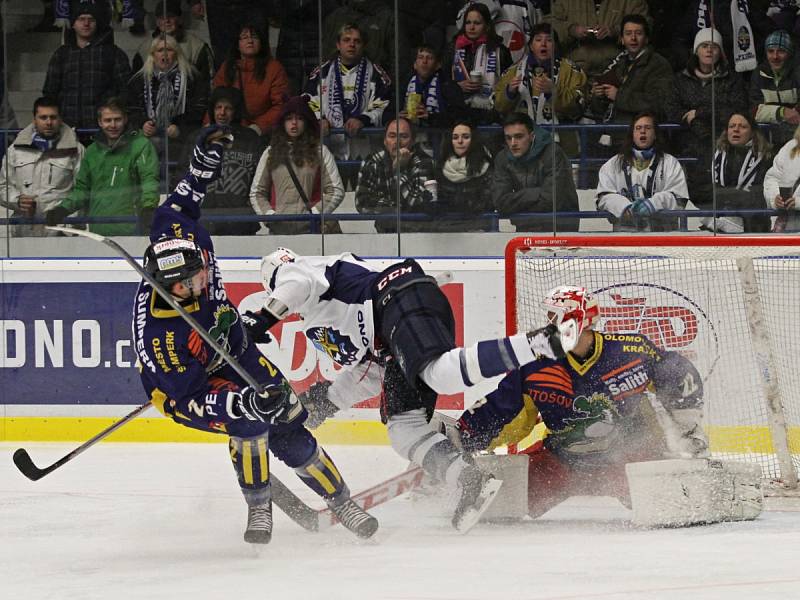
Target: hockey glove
(315, 401)
(546, 342)
(257, 325)
(207, 155)
(269, 405)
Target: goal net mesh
(692, 300)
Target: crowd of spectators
(436, 120)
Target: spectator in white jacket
(781, 183)
(641, 182)
(290, 180)
(39, 169)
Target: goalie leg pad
(676, 493)
(413, 317)
(511, 503)
(250, 458)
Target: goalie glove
(692, 442)
(316, 402)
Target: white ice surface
(136, 521)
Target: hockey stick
(378, 494)
(318, 520)
(167, 297)
(25, 464)
(285, 500)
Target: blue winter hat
(779, 39)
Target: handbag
(328, 226)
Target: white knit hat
(707, 35)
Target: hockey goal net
(728, 304)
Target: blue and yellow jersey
(180, 372)
(585, 404)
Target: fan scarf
(340, 109)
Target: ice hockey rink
(152, 521)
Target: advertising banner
(68, 343)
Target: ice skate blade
(472, 515)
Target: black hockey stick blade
(24, 463)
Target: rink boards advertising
(66, 358)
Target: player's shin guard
(322, 476)
(250, 459)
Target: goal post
(726, 303)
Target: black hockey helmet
(170, 260)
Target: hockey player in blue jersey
(594, 402)
(186, 379)
(393, 332)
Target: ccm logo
(393, 275)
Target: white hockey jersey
(333, 295)
(663, 182)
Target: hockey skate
(478, 491)
(259, 524)
(354, 518)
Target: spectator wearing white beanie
(707, 35)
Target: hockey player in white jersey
(393, 332)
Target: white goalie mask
(572, 309)
(270, 264)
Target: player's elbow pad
(276, 309)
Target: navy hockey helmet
(170, 260)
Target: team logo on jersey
(594, 418)
(333, 343)
(224, 318)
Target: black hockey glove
(546, 342)
(257, 326)
(319, 407)
(269, 405)
(207, 155)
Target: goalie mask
(572, 309)
(172, 260)
(270, 264)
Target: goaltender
(596, 404)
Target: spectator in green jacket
(118, 176)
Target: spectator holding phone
(589, 30)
